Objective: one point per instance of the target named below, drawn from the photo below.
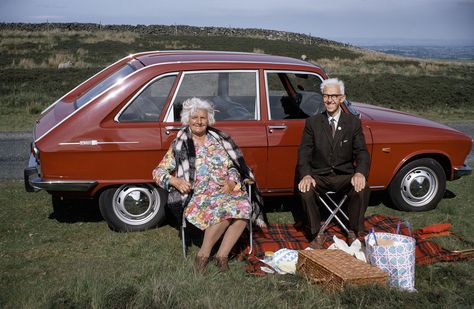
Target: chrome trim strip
(377, 187)
(94, 143)
(284, 71)
(117, 116)
(278, 127)
(290, 191)
(63, 185)
(462, 171)
(173, 128)
(169, 116)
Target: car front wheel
(418, 186)
(133, 207)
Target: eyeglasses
(331, 96)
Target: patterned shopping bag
(394, 254)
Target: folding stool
(334, 208)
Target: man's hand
(305, 183)
(358, 181)
(228, 186)
(180, 184)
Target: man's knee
(362, 194)
(308, 196)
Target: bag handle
(407, 223)
(372, 232)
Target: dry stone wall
(174, 30)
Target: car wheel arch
(442, 158)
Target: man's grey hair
(191, 105)
(333, 81)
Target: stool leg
(183, 237)
(340, 205)
(250, 220)
(333, 213)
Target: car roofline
(281, 59)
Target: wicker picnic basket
(335, 269)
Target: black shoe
(351, 237)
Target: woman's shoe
(222, 262)
(200, 263)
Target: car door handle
(271, 128)
(172, 128)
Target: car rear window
(103, 85)
(149, 103)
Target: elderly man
(333, 156)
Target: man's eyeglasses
(331, 96)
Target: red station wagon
(103, 139)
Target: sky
(349, 21)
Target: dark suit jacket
(319, 153)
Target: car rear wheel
(133, 207)
(418, 186)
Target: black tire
(418, 186)
(133, 207)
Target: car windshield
(103, 85)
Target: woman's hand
(228, 186)
(180, 184)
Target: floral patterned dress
(209, 205)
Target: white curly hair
(333, 81)
(191, 105)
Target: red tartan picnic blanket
(278, 236)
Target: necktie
(333, 126)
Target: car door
(234, 94)
(292, 96)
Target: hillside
(31, 53)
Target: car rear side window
(103, 85)
(233, 93)
(293, 95)
(149, 102)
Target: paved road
(15, 150)
(14, 154)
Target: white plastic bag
(394, 254)
(283, 261)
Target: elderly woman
(203, 171)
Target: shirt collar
(336, 117)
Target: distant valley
(427, 52)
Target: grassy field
(76, 261)
(30, 79)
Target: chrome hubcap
(419, 186)
(136, 204)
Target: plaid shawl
(185, 157)
(278, 236)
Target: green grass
(30, 80)
(80, 263)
